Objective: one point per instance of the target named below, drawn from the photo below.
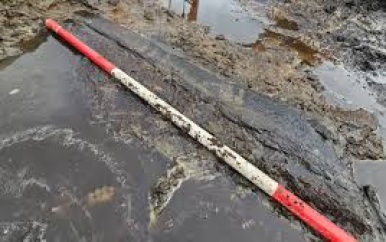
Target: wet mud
(350, 90)
(370, 175)
(236, 115)
(353, 31)
(224, 19)
(21, 22)
(63, 178)
(263, 91)
(277, 71)
(81, 161)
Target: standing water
(224, 17)
(372, 174)
(349, 89)
(65, 177)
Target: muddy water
(307, 54)
(66, 177)
(349, 89)
(245, 25)
(28, 46)
(224, 17)
(372, 173)
(53, 161)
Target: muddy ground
(277, 71)
(278, 65)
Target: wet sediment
(308, 151)
(276, 71)
(88, 135)
(354, 33)
(272, 135)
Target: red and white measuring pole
(310, 216)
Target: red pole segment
(80, 46)
(321, 224)
(310, 216)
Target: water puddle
(372, 173)
(211, 215)
(245, 25)
(306, 53)
(225, 17)
(62, 176)
(349, 89)
(25, 47)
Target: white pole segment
(225, 153)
